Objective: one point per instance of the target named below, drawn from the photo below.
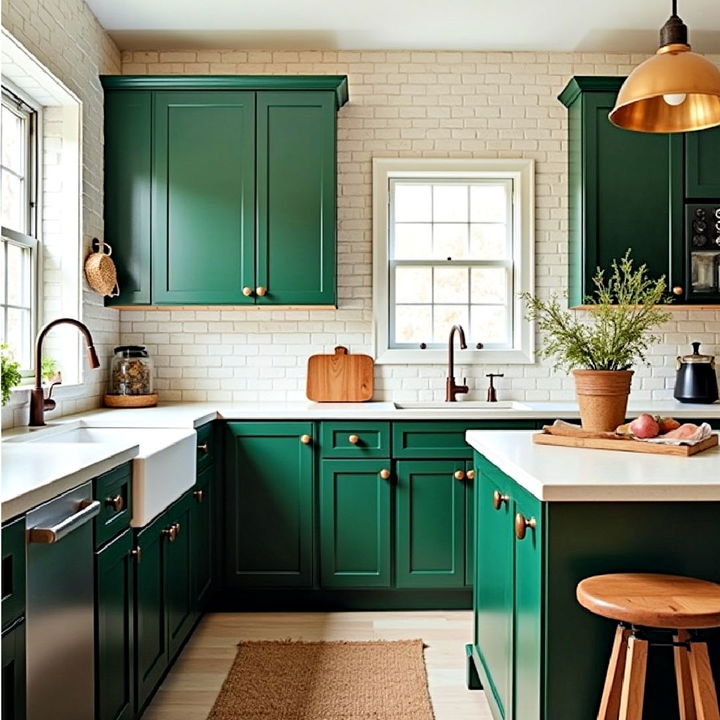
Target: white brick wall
(65, 36)
(409, 104)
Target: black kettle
(696, 381)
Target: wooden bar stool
(646, 606)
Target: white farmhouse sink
(462, 405)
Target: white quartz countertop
(563, 474)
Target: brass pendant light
(676, 90)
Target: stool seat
(652, 600)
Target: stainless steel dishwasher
(60, 607)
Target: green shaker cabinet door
(470, 523)
(203, 197)
(702, 160)
(202, 538)
(114, 666)
(296, 197)
(430, 528)
(354, 523)
(268, 505)
(128, 177)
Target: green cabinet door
(13, 672)
(702, 160)
(470, 523)
(494, 575)
(203, 197)
(355, 523)
(114, 666)
(296, 197)
(201, 523)
(430, 527)
(268, 504)
(128, 179)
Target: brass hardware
(353, 439)
(177, 529)
(117, 502)
(677, 290)
(499, 499)
(198, 495)
(384, 473)
(170, 533)
(459, 475)
(261, 291)
(203, 448)
(247, 291)
(137, 553)
(470, 474)
(522, 524)
(305, 439)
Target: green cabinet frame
(702, 159)
(202, 526)
(14, 702)
(13, 571)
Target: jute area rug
(289, 680)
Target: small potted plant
(601, 349)
(9, 373)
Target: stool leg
(610, 701)
(633, 690)
(686, 699)
(706, 703)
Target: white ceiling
(590, 25)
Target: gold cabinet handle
(170, 533)
(137, 553)
(522, 524)
(199, 495)
(470, 474)
(305, 439)
(117, 503)
(353, 439)
(459, 475)
(203, 448)
(384, 473)
(677, 290)
(177, 529)
(499, 499)
(247, 291)
(261, 291)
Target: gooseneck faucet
(38, 402)
(451, 389)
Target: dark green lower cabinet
(355, 523)
(471, 473)
(202, 538)
(13, 672)
(114, 666)
(430, 537)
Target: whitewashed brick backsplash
(404, 104)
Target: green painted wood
(470, 541)
(13, 571)
(203, 191)
(588, 83)
(109, 521)
(128, 177)
(355, 523)
(296, 189)
(430, 524)
(337, 84)
(268, 500)
(13, 673)
(114, 597)
(702, 159)
(373, 439)
(202, 529)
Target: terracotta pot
(602, 396)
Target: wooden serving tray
(626, 444)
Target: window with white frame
(453, 245)
(18, 250)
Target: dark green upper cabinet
(221, 190)
(203, 195)
(702, 160)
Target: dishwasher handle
(47, 535)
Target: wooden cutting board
(626, 445)
(341, 377)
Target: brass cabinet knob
(459, 475)
(353, 439)
(384, 473)
(203, 448)
(117, 503)
(177, 529)
(247, 291)
(137, 553)
(198, 495)
(470, 474)
(499, 499)
(305, 439)
(170, 533)
(261, 291)
(677, 290)
(522, 524)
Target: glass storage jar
(131, 371)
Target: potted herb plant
(601, 346)
(9, 373)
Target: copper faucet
(38, 402)
(451, 389)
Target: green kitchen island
(547, 517)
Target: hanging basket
(100, 270)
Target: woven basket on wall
(100, 270)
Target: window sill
(20, 394)
(462, 357)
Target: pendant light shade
(676, 90)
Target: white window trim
(522, 172)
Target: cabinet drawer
(354, 439)
(114, 491)
(13, 571)
(205, 446)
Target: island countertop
(564, 474)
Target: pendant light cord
(674, 7)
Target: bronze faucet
(38, 402)
(451, 389)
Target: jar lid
(131, 351)
(696, 357)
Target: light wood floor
(189, 691)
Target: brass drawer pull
(305, 439)
(198, 495)
(171, 533)
(203, 448)
(117, 503)
(353, 439)
(471, 474)
(384, 473)
(137, 553)
(247, 291)
(459, 475)
(499, 499)
(261, 291)
(677, 290)
(522, 524)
